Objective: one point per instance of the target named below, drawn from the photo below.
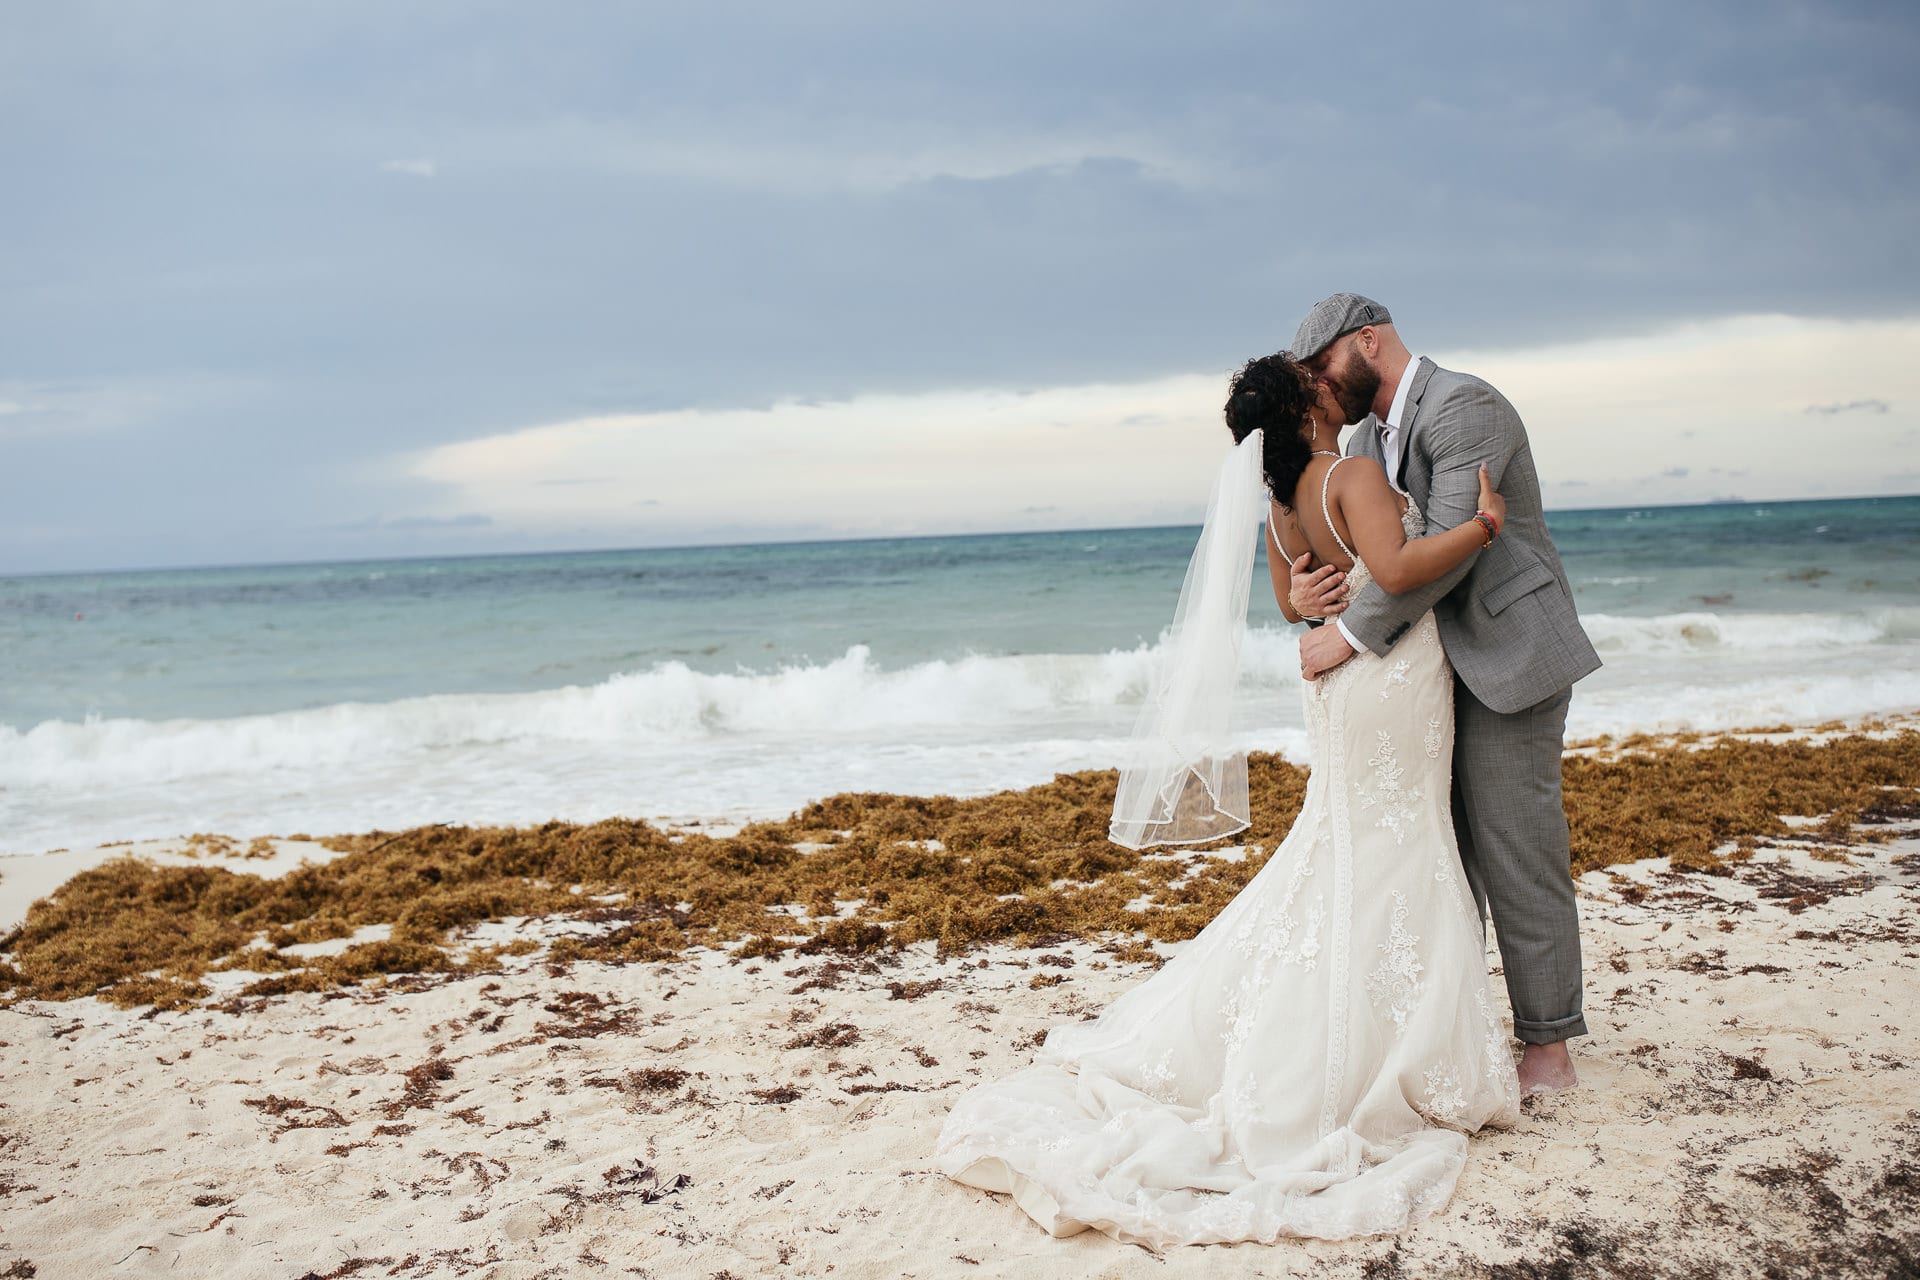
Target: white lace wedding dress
(1310, 1063)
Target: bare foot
(1546, 1068)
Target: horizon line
(868, 537)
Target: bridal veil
(1182, 780)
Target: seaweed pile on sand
(855, 873)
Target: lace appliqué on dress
(1245, 1095)
(1446, 1099)
(1156, 1081)
(1396, 678)
(1242, 1007)
(1394, 983)
(1499, 1056)
(1271, 935)
(1395, 802)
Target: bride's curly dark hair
(1272, 394)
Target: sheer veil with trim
(1182, 781)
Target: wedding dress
(1309, 1064)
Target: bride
(1309, 1064)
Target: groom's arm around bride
(1507, 615)
(1468, 428)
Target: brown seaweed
(875, 872)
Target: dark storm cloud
(300, 240)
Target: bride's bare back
(1359, 509)
(1321, 529)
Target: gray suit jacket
(1506, 616)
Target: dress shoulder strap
(1328, 515)
(1274, 529)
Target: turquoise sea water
(735, 680)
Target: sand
(1749, 1106)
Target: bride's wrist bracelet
(1485, 521)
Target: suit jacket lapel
(1410, 416)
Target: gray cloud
(643, 208)
(418, 168)
(471, 520)
(410, 524)
(1851, 406)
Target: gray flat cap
(1331, 317)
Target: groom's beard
(1355, 387)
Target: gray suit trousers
(1512, 830)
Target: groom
(1508, 626)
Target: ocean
(743, 681)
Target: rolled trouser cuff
(1551, 1032)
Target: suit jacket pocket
(1523, 572)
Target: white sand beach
(1749, 1106)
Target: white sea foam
(672, 740)
(1675, 632)
(1613, 701)
(670, 703)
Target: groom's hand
(1321, 650)
(1320, 594)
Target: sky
(352, 280)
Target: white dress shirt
(1390, 451)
